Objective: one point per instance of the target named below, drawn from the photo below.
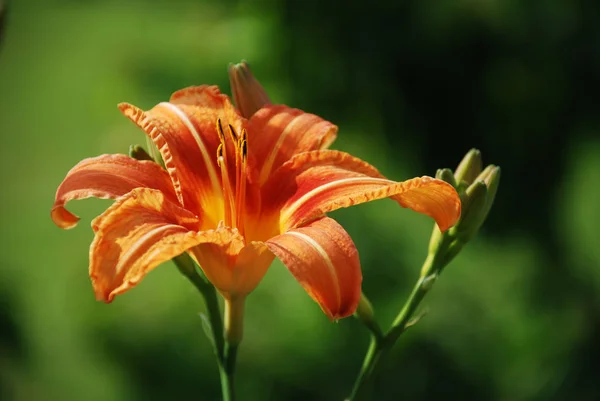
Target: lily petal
(323, 258)
(276, 133)
(314, 183)
(234, 269)
(184, 130)
(106, 177)
(137, 233)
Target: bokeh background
(413, 85)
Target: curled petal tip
(63, 218)
(127, 109)
(442, 202)
(324, 260)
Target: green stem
(233, 333)
(375, 352)
(422, 286)
(379, 347)
(187, 267)
(382, 344)
(227, 371)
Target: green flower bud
(469, 168)
(139, 153)
(478, 197)
(473, 212)
(491, 177)
(153, 152)
(445, 174)
(477, 190)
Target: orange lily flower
(235, 193)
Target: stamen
(228, 195)
(241, 168)
(234, 201)
(219, 154)
(233, 133)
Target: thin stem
(227, 371)
(216, 325)
(422, 286)
(233, 333)
(187, 267)
(225, 349)
(374, 353)
(382, 344)
(364, 313)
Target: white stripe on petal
(325, 257)
(291, 209)
(208, 159)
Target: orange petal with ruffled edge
(324, 260)
(137, 233)
(276, 133)
(184, 130)
(107, 177)
(314, 183)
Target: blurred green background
(413, 85)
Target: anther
(244, 144)
(219, 154)
(233, 133)
(220, 131)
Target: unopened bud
(445, 174)
(469, 168)
(139, 153)
(477, 190)
(491, 177)
(248, 94)
(473, 212)
(154, 152)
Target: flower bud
(473, 212)
(445, 174)
(469, 168)
(491, 177)
(139, 153)
(248, 94)
(477, 190)
(477, 201)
